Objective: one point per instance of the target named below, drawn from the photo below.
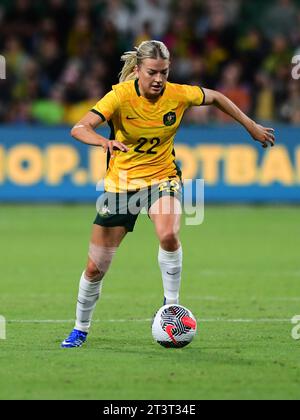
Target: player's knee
(92, 273)
(99, 262)
(169, 240)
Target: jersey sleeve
(194, 95)
(107, 106)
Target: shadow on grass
(194, 353)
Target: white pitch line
(65, 321)
(248, 299)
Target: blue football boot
(75, 339)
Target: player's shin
(171, 267)
(90, 288)
(89, 293)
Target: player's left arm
(259, 133)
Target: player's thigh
(166, 213)
(109, 237)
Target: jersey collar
(137, 88)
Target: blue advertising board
(46, 164)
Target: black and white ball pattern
(174, 326)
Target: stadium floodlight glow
(2, 328)
(2, 67)
(296, 69)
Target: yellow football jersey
(148, 129)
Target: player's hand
(262, 134)
(112, 145)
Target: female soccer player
(144, 112)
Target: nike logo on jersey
(131, 118)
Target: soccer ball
(174, 326)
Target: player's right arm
(84, 131)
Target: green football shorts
(123, 209)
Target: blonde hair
(147, 49)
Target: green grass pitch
(241, 281)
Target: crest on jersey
(170, 119)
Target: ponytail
(130, 60)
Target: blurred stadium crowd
(63, 55)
